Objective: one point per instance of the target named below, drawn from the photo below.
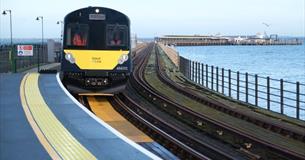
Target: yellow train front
(96, 51)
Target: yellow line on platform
(53, 154)
(104, 110)
(55, 138)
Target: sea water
(279, 62)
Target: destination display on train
(97, 16)
(24, 50)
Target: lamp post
(61, 38)
(40, 18)
(61, 28)
(11, 31)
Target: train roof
(95, 10)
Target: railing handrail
(236, 84)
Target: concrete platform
(17, 138)
(64, 129)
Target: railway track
(152, 126)
(220, 130)
(204, 146)
(177, 137)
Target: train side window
(77, 35)
(117, 35)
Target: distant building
(54, 50)
(191, 40)
(203, 40)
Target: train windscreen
(77, 35)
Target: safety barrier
(11, 62)
(280, 96)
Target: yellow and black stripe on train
(96, 50)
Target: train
(96, 54)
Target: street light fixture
(61, 37)
(61, 28)
(11, 31)
(40, 18)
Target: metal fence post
(183, 66)
(196, 78)
(256, 90)
(212, 77)
(207, 76)
(36, 58)
(193, 67)
(217, 79)
(194, 72)
(202, 74)
(237, 81)
(247, 90)
(14, 55)
(229, 78)
(282, 96)
(189, 69)
(182, 63)
(222, 81)
(198, 73)
(298, 100)
(268, 93)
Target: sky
(150, 18)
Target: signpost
(24, 50)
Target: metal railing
(276, 95)
(10, 62)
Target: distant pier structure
(204, 40)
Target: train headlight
(123, 58)
(69, 57)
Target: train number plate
(100, 17)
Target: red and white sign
(25, 50)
